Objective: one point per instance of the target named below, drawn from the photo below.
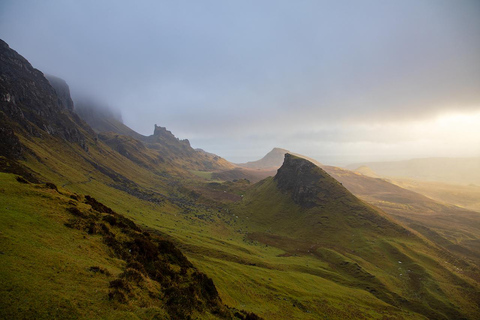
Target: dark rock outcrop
(29, 101)
(10, 145)
(308, 184)
(63, 91)
(274, 159)
(311, 186)
(164, 135)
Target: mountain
(445, 224)
(161, 147)
(30, 104)
(366, 171)
(102, 118)
(62, 90)
(272, 160)
(450, 170)
(304, 211)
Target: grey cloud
(272, 68)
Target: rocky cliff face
(308, 184)
(28, 101)
(63, 91)
(164, 135)
(10, 145)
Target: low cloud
(232, 75)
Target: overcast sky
(339, 81)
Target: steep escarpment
(159, 150)
(28, 101)
(308, 184)
(62, 89)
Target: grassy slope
(54, 266)
(209, 238)
(455, 229)
(45, 266)
(279, 222)
(273, 282)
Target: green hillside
(67, 255)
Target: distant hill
(466, 196)
(366, 171)
(272, 160)
(452, 170)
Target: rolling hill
(467, 197)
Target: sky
(339, 81)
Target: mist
(339, 81)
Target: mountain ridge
(29, 100)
